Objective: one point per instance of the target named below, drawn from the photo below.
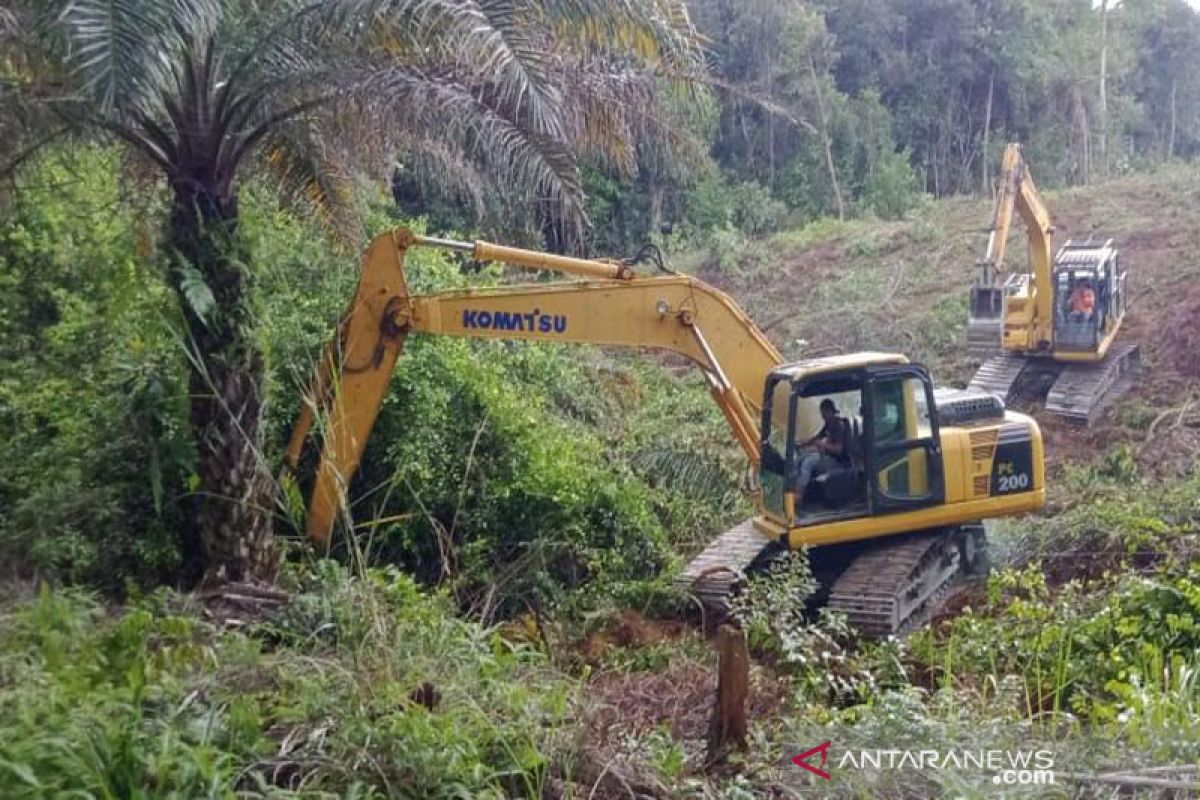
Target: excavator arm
(1017, 193)
(612, 306)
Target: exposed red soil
(629, 630)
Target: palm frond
(308, 175)
(653, 32)
(541, 164)
(526, 63)
(499, 42)
(111, 48)
(8, 23)
(442, 169)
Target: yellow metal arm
(675, 313)
(1018, 191)
(532, 259)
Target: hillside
(902, 286)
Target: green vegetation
(499, 620)
(328, 699)
(204, 95)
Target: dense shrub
(317, 701)
(503, 467)
(94, 457)
(892, 188)
(1124, 642)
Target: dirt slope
(834, 287)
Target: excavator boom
(1017, 193)
(915, 461)
(612, 307)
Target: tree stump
(728, 725)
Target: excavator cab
(1089, 295)
(892, 456)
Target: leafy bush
(95, 459)
(490, 490)
(316, 702)
(709, 205)
(1087, 652)
(755, 211)
(892, 188)
(716, 204)
(773, 610)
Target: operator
(829, 445)
(1082, 302)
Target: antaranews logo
(1006, 767)
(802, 760)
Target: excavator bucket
(985, 320)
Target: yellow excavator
(1054, 326)
(899, 513)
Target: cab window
(902, 440)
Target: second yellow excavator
(1052, 329)
(892, 510)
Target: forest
(186, 191)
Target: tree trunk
(727, 725)
(770, 80)
(826, 138)
(985, 165)
(226, 382)
(656, 205)
(1085, 138)
(1104, 85)
(1171, 130)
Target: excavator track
(1083, 390)
(892, 587)
(999, 375)
(900, 585)
(713, 576)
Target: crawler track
(1082, 391)
(893, 586)
(999, 375)
(900, 585)
(714, 575)
(1077, 392)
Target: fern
(197, 293)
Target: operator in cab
(1082, 301)
(829, 449)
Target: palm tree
(495, 93)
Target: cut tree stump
(728, 725)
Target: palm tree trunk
(226, 383)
